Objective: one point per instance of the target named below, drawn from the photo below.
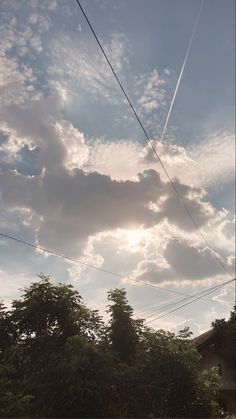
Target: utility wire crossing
(154, 309)
(181, 199)
(140, 282)
(190, 298)
(190, 302)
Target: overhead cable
(181, 199)
(89, 265)
(190, 302)
(159, 309)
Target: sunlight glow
(135, 237)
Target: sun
(135, 237)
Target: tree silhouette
(58, 359)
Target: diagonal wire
(164, 307)
(154, 308)
(220, 263)
(89, 265)
(190, 302)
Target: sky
(77, 176)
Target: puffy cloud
(74, 205)
(33, 124)
(228, 229)
(207, 165)
(170, 154)
(191, 263)
(181, 261)
(55, 141)
(106, 194)
(76, 150)
(174, 210)
(118, 159)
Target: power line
(89, 265)
(222, 265)
(182, 69)
(163, 307)
(158, 307)
(154, 309)
(190, 302)
(183, 305)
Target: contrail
(182, 68)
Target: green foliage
(225, 335)
(123, 331)
(58, 359)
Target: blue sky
(77, 176)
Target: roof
(204, 339)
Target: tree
(57, 311)
(122, 331)
(43, 320)
(170, 383)
(58, 359)
(225, 335)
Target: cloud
(25, 125)
(105, 201)
(78, 65)
(228, 229)
(214, 159)
(73, 63)
(181, 261)
(20, 45)
(173, 209)
(73, 205)
(153, 94)
(76, 150)
(119, 159)
(150, 94)
(191, 263)
(207, 164)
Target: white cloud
(118, 159)
(76, 150)
(153, 94)
(74, 205)
(105, 194)
(207, 164)
(214, 159)
(20, 43)
(74, 63)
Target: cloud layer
(103, 199)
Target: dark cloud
(181, 262)
(191, 263)
(73, 205)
